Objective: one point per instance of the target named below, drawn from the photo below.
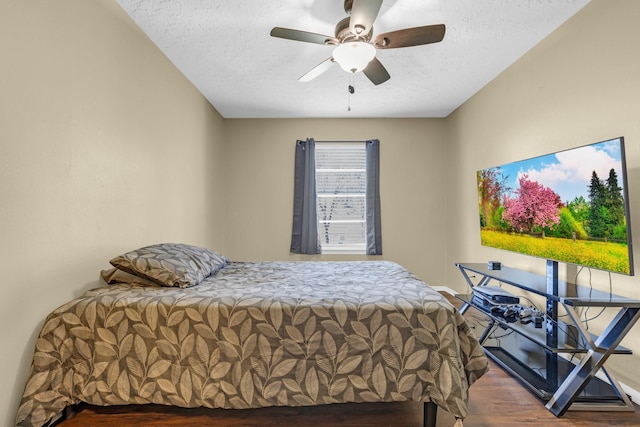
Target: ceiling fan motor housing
(344, 34)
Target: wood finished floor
(496, 400)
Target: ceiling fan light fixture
(354, 56)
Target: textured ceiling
(224, 48)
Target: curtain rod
(345, 141)
(342, 141)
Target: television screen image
(570, 206)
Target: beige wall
(104, 146)
(580, 85)
(259, 157)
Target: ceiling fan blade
(410, 37)
(376, 72)
(302, 36)
(317, 70)
(363, 14)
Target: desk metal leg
(591, 364)
(488, 330)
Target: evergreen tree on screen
(603, 205)
(598, 212)
(606, 208)
(615, 203)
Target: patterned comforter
(253, 335)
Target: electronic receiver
(495, 295)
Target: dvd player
(495, 295)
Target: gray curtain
(304, 236)
(374, 226)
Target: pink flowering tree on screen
(534, 207)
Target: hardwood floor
(497, 400)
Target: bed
(250, 334)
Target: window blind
(341, 191)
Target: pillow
(171, 264)
(113, 276)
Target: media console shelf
(562, 383)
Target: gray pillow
(171, 264)
(115, 276)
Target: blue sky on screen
(568, 173)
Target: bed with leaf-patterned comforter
(257, 334)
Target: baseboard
(445, 289)
(633, 394)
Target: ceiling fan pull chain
(350, 90)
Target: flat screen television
(570, 206)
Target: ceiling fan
(355, 46)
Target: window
(341, 177)
(336, 198)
